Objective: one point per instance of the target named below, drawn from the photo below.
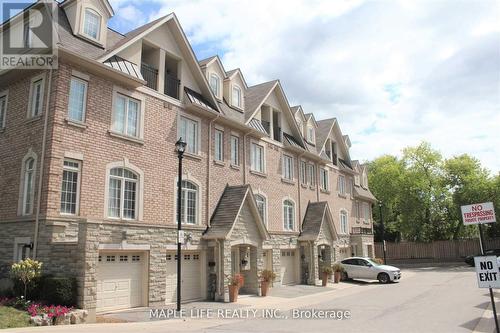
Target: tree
(26, 271)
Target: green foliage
(267, 275)
(328, 270)
(60, 290)
(26, 271)
(11, 317)
(422, 194)
(337, 267)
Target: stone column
(277, 264)
(314, 277)
(89, 238)
(226, 255)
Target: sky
(394, 73)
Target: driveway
(444, 299)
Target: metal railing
(150, 75)
(172, 84)
(278, 136)
(266, 125)
(361, 231)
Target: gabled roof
(298, 108)
(206, 62)
(309, 116)
(323, 132)
(255, 97)
(106, 4)
(314, 219)
(228, 210)
(230, 74)
(365, 194)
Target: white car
(365, 268)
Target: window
(189, 205)
(219, 145)
(77, 100)
(123, 194)
(236, 97)
(215, 84)
(303, 172)
(189, 132)
(310, 134)
(367, 212)
(136, 258)
(126, 116)
(28, 35)
(365, 180)
(358, 209)
(350, 187)
(260, 200)
(356, 180)
(343, 222)
(257, 157)
(342, 185)
(28, 188)
(123, 258)
(235, 150)
(70, 187)
(311, 174)
(287, 167)
(288, 215)
(36, 97)
(92, 24)
(323, 179)
(3, 109)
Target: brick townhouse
(88, 170)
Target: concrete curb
(487, 323)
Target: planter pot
(324, 279)
(233, 293)
(264, 287)
(337, 276)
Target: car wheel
(345, 277)
(383, 278)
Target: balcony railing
(266, 125)
(335, 159)
(150, 74)
(278, 136)
(172, 84)
(361, 231)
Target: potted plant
(327, 272)
(266, 277)
(337, 272)
(235, 282)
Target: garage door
(120, 280)
(191, 277)
(288, 267)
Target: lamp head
(180, 146)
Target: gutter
(245, 156)
(209, 167)
(299, 184)
(42, 162)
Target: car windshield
(372, 262)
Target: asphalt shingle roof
(255, 95)
(322, 131)
(313, 220)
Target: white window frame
(31, 100)
(324, 179)
(84, 111)
(125, 164)
(303, 172)
(342, 184)
(188, 177)
(310, 134)
(219, 145)
(311, 174)
(262, 195)
(140, 116)
(287, 167)
(78, 170)
(3, 112)
(197, 143)
(344, 224)
(238, 103)
(217, 91)
(235, 150)
(23, 195)
(253, 147)
(286, 223)
(99, 26)
(366, 212)
(358, 210)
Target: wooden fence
(449, 250)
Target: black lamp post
(180, 147)
(380, 204)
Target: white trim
(100, 28)
(190, 178)
(125, 246)
(85, 94)
(78, 185)
(142, 108)
(80, 75)
(22, 197)
(264, 164)
(218, 93)
(292, 171)
(288, 198)
(73, 155)
(343, 210)
(219, 133)
(198, 130)
(238, 141)
(327, 175)
(234, 86)
(140, 189)
(34, 79)
(266, 206)
(4, 121)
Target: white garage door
(288, 267)
(120, 280)
(191, 282)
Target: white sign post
(487, 272)
(486, 267)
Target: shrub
(26, 271)
(52, 311)
(328, 270)
(337, 267)
(267, 275)
(59, 290)
(236, 280)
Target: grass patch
(10, 317)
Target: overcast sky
(394, 73)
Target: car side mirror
(369, 265)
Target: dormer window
(215, 84)
(236, 97)
(310, 134)
(92, 24)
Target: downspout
(245, 157)
(316, 173)
(209, 168)
(42, 162)
(299, 184)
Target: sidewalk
(487, 323)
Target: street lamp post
(380, 204)
(180, 147)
